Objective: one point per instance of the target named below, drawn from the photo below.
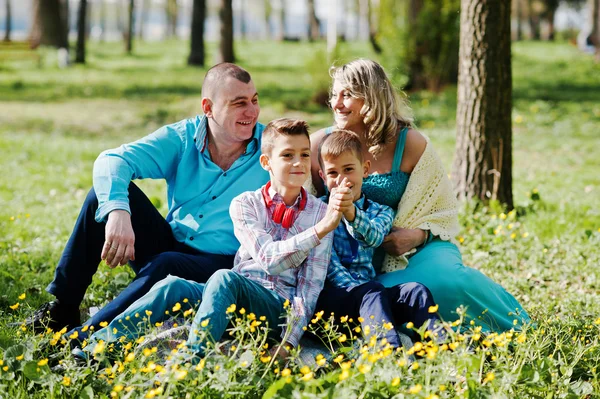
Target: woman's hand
(400, 240)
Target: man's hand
(400, 240)
(119, 239)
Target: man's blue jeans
(157, 255)
(225, 288)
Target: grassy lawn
(53, 124)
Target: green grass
(53, 123)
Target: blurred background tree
(8, 22)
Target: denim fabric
(150, 309)
(225, 288)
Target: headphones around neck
(282, 214)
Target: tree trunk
(281, 17)
(417, 78)
(8, 24)
(48, 24)
(226, 44)
(372, 20)
(172, 11)
(551, 7)
(534, 21)
(130, 30)
(314, 31)
(268, 12)
(102, 15)
(595, 15)
(483, 160)
(196, 57)
(332, 29)
(519, 19)
(81, 32)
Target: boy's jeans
(225, 288)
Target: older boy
(350, 289)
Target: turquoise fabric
(438, 265)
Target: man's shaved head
(218, 73)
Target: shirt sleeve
(274, 257)
(337, 274)
(311, 278)
(155, 156)
(370, 227)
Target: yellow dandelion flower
(321, 362)
(364, 368)
(265, 359)
(442, 388)
(414, 366)
(66, 381)
(344, 319)
(242, 311)
(103, 324)
(5, 368)
(148, 313)
(338, 358)
(346, 365)
(343, 338)
(433, 396)
(415, 389)
(489, 377)
(15, 306)
(204, 322)
(307, 377)
(22, 296)
(396, 382)
(286, 372)
(286, 304)
(42, 362)
(74, 335)
(388, 326)
(433, 309)
(521, 338)
(20, 357)
(410, 325)
(177, 307)
(360, 319)
(343, 375)
(367, 330)
(118, 388)
(231, 308)
(476, 337)
(130, 357)
(180, 375)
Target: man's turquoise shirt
(198, 191)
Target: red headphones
(282, 214)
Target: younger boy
(350, 289)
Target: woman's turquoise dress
(439, 266)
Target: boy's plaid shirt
(372, 223)
(293, 262)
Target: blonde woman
(407, 175)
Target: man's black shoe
(55, 316)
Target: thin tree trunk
(268, 12)
(8, 23)
(242, 16)
(102, 15)
(65, 17)
(534, 21)
(519, 18)
(595, 16)
(483, 160)
(172, 12)
(373, 26)
(196, 57)
(226, 44)
(281, 15)
(48, 24)
(314, 31)
(332, 28)
(130, 30)
(417, 78)
(81, 32)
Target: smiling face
(233, 110)
(346, 108)
(346, 165)
(288, 162)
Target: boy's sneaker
(55, 316)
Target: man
(206, 161)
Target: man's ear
(207, 104)
(366, 167)
(265, 162)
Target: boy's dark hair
(339, 142)
(216, 74)
(282, 126)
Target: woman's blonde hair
(384, 112)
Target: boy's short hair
(282, 126)
(339, 142)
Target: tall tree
(48, 26)
(518, 4)
(172, 11)
(81, 32)
(130, 30)
(549, 14)
(8, 24)
(226, 53)
(483, 160)
(595, 16)
(102, 16)
(372, 6)
(282, 20)
(534, 20)
(268, 11)
(314, 31)
(197, 34)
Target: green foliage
(421, 45)
(55, 122)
